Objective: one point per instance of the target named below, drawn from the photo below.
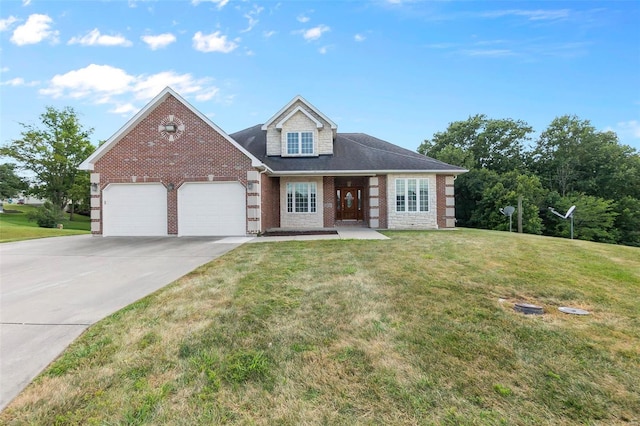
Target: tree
(505, 192)
(480, 142)
(572, 156)
(10, 183)
(52, 153)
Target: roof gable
(88, 164)
(302, 100)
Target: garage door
(135, 209)
(212, 208)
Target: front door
(350, 203)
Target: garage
(212, 209)
(134, 209)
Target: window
(301, 197)
(412, 195)
(300, 143)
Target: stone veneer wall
(412, 220)
(302, 220)
(276, 138)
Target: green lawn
(15, 226)
(419, 329)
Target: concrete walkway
(344, 233)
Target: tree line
(569, 163)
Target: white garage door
(134, 209)
(212, 208)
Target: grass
(419, 329)
(14, 225)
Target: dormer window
(300, 143)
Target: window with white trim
(412, 195)
(299, 143)
(301, 197)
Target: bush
(47, 216)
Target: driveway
(52, 289)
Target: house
(171, 171)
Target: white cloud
(532, 15)
(124, 109)
(26, 2)
(207, 95)
(315, 32)
(4, 69)
(5, 24)
(268, 34)
(94, 38)
(323, 50)
(631, 128)
(220, 3)
(19, 81)
(36, 29)
(252, 17)
(303, 18)
(359, 37)
(488, 52)
(104, 84)
(91, 80)
(213, 43)
(159, 41)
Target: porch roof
(355, 153)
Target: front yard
(419, 329)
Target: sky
(399, 70)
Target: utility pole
(520, 214)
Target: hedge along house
(172, 171)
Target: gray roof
(352, 152)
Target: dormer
(300, 130)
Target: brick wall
(270, 202)
(329, 205)
(144, 155)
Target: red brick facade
(198, 154)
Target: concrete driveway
(52, 289)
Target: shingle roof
(352, 152)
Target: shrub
(47, 216)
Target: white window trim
(312, 189)
(300, 153)
(406, 195)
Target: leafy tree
(627, 221)
(572, 156)
(53, 153)
(47, 215)
(80, 195)
(480, 142)
(10, 183)
(506, 191)
(594, 218)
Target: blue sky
(399, 70)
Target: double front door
(349, 203)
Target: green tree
(572, 156)
(627, 221)
(10, 183)
(53, 153)
(593, 217)
(480, 142)
(506, 191)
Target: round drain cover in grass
(528, 309)
(574, 311)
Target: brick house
(171, 171)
